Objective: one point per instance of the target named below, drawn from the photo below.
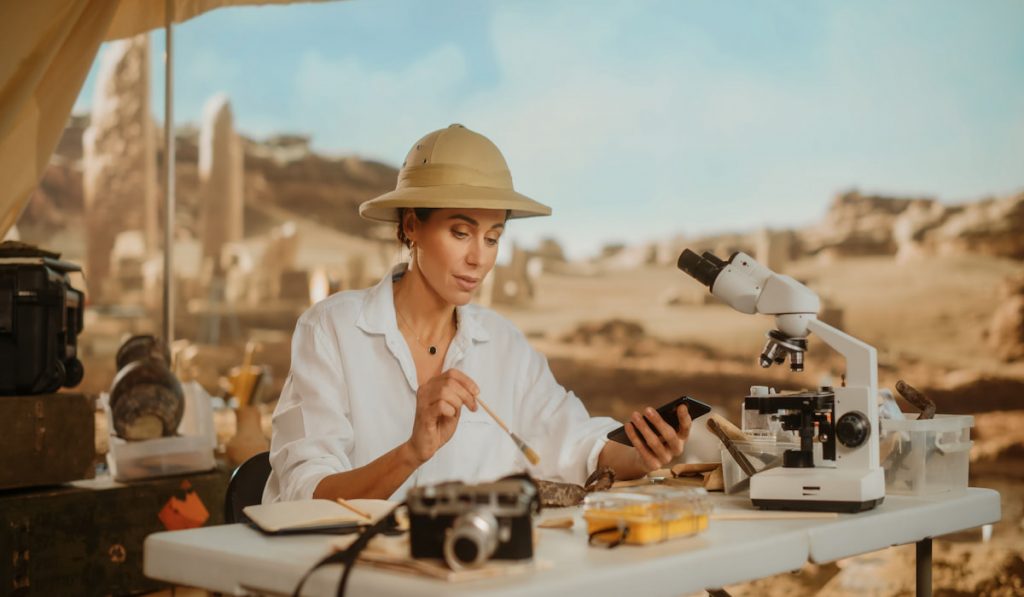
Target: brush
(525, 449)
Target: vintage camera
(470, 524)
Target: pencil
(343, 502)
(525, 449)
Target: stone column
(119, 159)
(220, 179)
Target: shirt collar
(378, 312)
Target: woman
(382, 394)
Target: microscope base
(817, 506)
(817, 489)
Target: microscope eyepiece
(704, 268)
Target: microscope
(845, 476)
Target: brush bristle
(526, 450)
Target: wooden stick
(343, 502)
(527, 451)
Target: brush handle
(496, 418)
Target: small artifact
(558, 495)
(714, 480)
(917, 399)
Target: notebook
(306, 516)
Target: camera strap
(348, 557)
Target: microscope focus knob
(853, 429)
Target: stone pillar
(772, 249)
(119, 159)
(220, 179)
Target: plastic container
(926, 457)
(189, 451)
(646, 514)
(763, 454)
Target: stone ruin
(909, 228)
(513, 284)
(774, 248)
(119, 161)
(1005, 333)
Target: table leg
(924, 567)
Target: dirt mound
(976, 393)
(627, 339)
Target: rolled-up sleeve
(555, 423)
(312, 434)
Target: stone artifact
(146, 398)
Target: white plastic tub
(189, 451)
(926, 457)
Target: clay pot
(249, 439)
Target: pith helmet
(453, 167)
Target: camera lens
(466, 550)
(471, 540)
(703, 269)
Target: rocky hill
(282, 171)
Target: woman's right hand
(439, 404)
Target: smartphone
(668, 413)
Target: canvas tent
(46, 50)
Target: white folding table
(235, 559)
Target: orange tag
(188, 513)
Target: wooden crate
(47, 439)
(86, 538)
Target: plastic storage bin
(189, 451)
(764, 454)
(646, 514)
(926, 457)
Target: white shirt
(351, 397)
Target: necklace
(432, 349)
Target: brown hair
(422, 214)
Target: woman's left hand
(656, 449)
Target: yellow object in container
(646, 515)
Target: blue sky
(638, 119)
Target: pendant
(433, 350)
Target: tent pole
(169, 168)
